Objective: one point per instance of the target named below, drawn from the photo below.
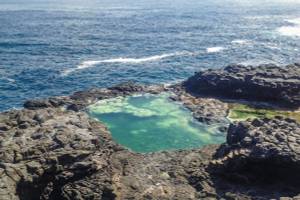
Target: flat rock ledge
(52, 150)
(265, 83)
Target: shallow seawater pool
(150, 123)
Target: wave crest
(214, 49)
(240, 42)
(92, 63)
(291, 31)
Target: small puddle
(150, 123)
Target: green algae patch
(239, 112)
(150, 123)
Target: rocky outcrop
(51, 154)
(80, 100)
(266, 83)
(262, 152)
(54, 153)
(265, 139)
(206, 110)
(52, 150)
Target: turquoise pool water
(150, 123)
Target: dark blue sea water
(56, 47)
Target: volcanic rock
(267, 83)
(261, 152)
(52, 150)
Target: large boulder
(267, 83)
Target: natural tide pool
(150, 123)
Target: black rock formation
(262, 152)
(266, 83)
(52, 150)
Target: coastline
(51, 149)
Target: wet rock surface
(52, 150)
(266, 83)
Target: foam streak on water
(92, 63)
(240, 42)
(292, 31)
(214, 49)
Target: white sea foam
(92, 63)
(11, 80)
(240, 42)
(291, 31)
(214, 49)
(273, 47)
(294, 21)
(87, 64)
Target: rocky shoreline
(265, 83)
(51, 149)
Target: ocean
(56, 47)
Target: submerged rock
(267, 83)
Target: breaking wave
(214, 49)
(291, 31)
